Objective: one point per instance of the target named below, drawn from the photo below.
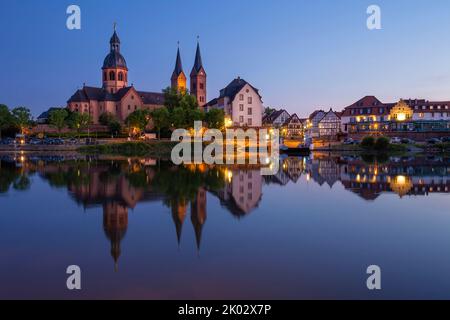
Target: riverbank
(161, 149)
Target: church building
(119, 99)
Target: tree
(178, 118)
(193, 115)
(382, 144)
(21, 118)
(215, 119)
(137, 121)
(114, 127)
(172, 98)
(106, 118)
(57, 119)
(5, 118)
(268, 111)
(368, 142)
(161, 119)
(80, 121)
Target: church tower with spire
(198, 79)
(114, 70)
(178, 80)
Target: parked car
(433, 141)
(20, 138)
(7, 141)
(445, 139)
(348, 141)
(395, 140)
(35, 141)
(407, 141)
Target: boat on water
(294, 149)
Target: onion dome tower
(114, 70)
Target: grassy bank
(131, 149)
(392, 148)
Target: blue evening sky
(300, 54)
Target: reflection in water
(119, 185)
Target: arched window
(105, 76)
(120, 76)
(112, 75)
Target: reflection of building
(199, 214)
(409, 177)
(242, 192)
(294, 167)
(323, 170)
(178, 216)
(115, 223)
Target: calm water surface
(142, 228)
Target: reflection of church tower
(178, 80)
(115, 71)
(178, 216)
(115, 223)
(198, 214)
(198, 79)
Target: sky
(301, 54)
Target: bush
(382, 144)
(368, 142)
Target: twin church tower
(198, 77)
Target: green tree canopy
(106, 118)
(5, 118)
(268, 110)
(58, 118)
(161, 119)
(172, 98)
(21, 117)
(79, 121)
(114, 127)
(215, 118)
(138, 120)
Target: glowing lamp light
(228, 122)
(401, 117)
(400, 180)
(229, 176)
